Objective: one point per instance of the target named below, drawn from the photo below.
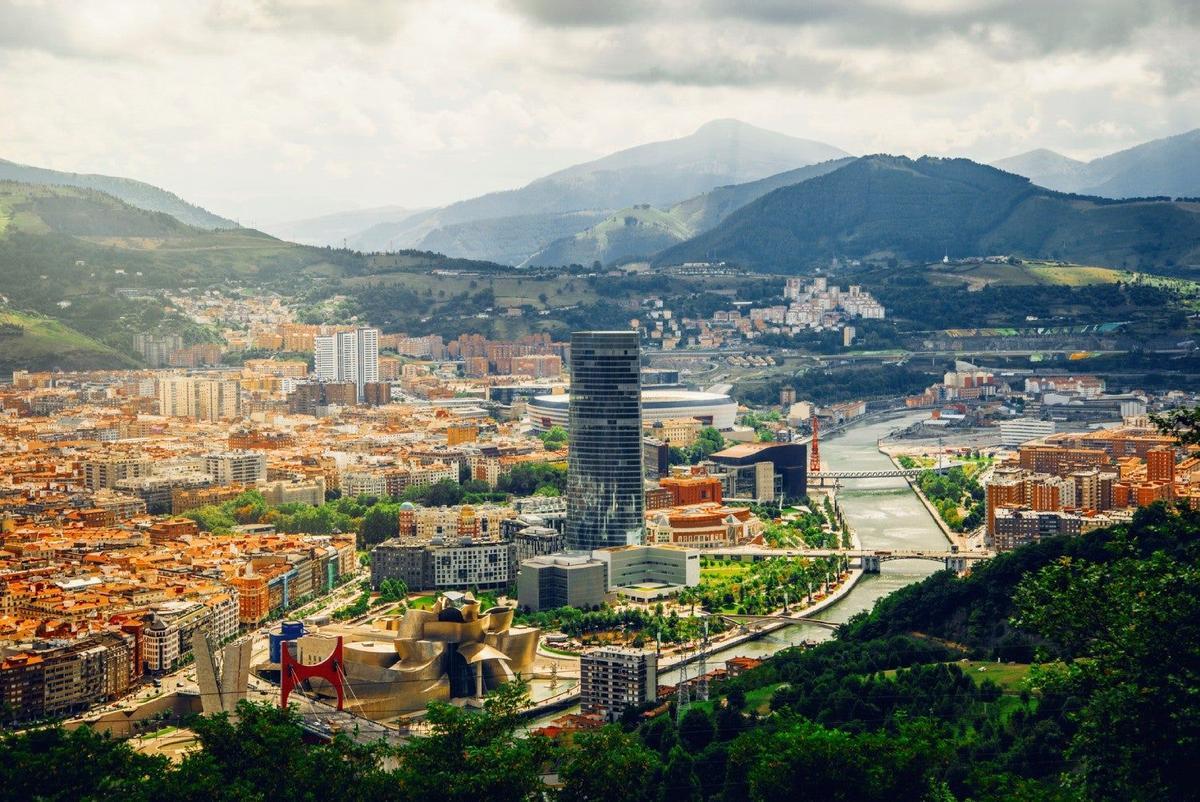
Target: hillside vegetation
(881, 206)
(135, 193)
(33, 341)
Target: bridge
(869, 559)
(904, 473)
(799, 619)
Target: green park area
(763, 587)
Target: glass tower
(604, 476)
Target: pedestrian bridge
(904, 473)
(868, 559)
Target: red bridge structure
(292, 673)
(814, 453)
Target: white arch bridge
(868, 559)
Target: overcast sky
(278, 109)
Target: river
(885, 513)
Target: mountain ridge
(1169, 166)
(136, 193)
(922, 209)
(661, 173)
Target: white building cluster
(818, 305)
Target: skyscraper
(604, 479)
(348, 356)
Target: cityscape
(464, 462)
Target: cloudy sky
(269, 110)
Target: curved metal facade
(604, 477)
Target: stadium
(712, 409)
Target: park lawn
(716, 571)
(421, 602)
(1010, 677)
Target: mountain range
(566, 202)
(1169, 167)
(135, 193)
(639, 202)
(923, 209)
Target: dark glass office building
(604, 480)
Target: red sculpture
(292, 672)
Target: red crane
(814, 453)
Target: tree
(213, 519)
(679, 780)
(380, 523)
(603, 761)
(696, 729)
(57, 764)
(470, 756)
(1137, 623)
(555, 438)
(262, 755)
(1182, 423)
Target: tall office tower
(366, 351)
(325, 357)
(604, 473)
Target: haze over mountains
(659, 173)
(638, 202)
(1169, 166)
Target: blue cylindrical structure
(286, 632)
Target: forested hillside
(889, 206)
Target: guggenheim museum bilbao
(711, 409)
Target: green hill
(99, 265)
(135, 193)
(641, 231)
(880, 206)
(33, 341)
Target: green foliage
(1183, 423)
(949, 491)
(1134, 624)
(470, 756)
(761, 587)
(555, 438)
(604, 760)
(671, 628)
(527, 478)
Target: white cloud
(269, 109)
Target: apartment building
(236, 467)
(57, 678)
(613, 678)
(446, 564)
(106, 472)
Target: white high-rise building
(348, 356)
(325, 357)
(368, 358)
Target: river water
(885, 513)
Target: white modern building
(347, 356)
(1021, 430)
(711, 409)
